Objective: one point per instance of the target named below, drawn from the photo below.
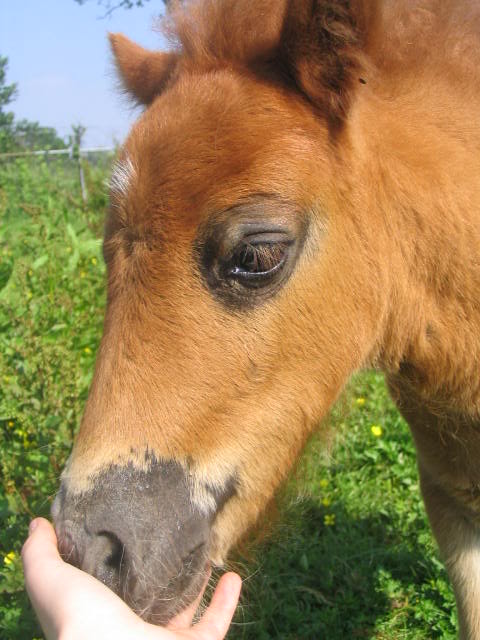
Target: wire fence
(78, 159)
(69, 151)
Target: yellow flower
(94, 261)
(329, 519)
(30, 272)
(9, 558)
(360, 402)
(11, 423)
(29, 295)
(82, 274)
(326, 502)
(6, 379)
(376, 430)
(324, 483)
(87, 350)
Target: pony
(300, 199)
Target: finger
(217, 618)
(184, 619)
(41, 538)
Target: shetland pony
(300, 199)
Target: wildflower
(82, 274)
(376, 430)
(6, 379)
(9, 558)
(30, 272)
(324, 483)
(87, 350)
(29, 295)
(11, 424)
(360, 402)
(94, 261)
(329, 520)
(326, 502)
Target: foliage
(22, 135)
(121, 4)
(78, 131)
(111, 6)
(8, 93)
(51, 300)
(350, 554)
(29, 136)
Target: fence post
(78, 133)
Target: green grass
(350, 554)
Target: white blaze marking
(122, 175)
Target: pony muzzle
(140, 533)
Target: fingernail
(33, 526)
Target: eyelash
(261, 258)
(253, 262)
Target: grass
(350, 554)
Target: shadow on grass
(330, 582)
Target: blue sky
(59, 57)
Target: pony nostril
(116, 550)
(104, 558)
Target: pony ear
(323, 47)
(144, 73)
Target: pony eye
(255, 263)
(246, 254)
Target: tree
(31, 135)
(78, 131)
(111, 5)
(120, 4)
(76, 137)
(8, 93)
(22, 135)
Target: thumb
(41, 544)
(66, 598)
(40, 549)
(41, 565)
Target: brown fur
(362, 116)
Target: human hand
(72, 605)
